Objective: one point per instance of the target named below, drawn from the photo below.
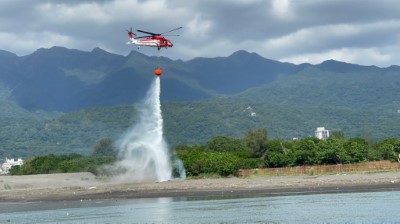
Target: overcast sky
(364, 32)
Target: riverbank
(85, 186)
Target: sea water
(372, 207)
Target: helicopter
(157, 40)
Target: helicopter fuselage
(155, 41)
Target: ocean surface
(372, 207)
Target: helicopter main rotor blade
(172, 30)
(144, 36)
(153, 34)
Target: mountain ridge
(69, 75)
(61, 100)
(62, 79)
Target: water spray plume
(144, 154)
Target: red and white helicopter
(152, 39)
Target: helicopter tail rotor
(130, 33)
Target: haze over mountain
(63, 80)
(64, 100)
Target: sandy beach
(85, 186)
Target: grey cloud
(211, 28)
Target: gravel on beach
(85, 186)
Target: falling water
(143, 151)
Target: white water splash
(143, 151)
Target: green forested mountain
(60, 79)
(90, 96)
(370, 90)
(192, 123)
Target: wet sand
(85, 186)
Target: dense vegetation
(103, 153)
(88, 97)
(61, 164)
(363, 103)
(225, 155)
(188, 123)
(291, 100)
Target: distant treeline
(103, 153)
(225, 155)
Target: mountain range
(60, 79)
(59, 99)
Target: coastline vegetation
(224, 156)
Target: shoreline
(85, 186)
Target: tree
(105, 147)
(305, 152)
(256, 140)
(225, 144)
(222, 163)
(356, 149)
(15, 170)
(389, 149)
(332, 151)
(276, 155)
(337, 135)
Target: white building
(322, 133)
(251, 111)
(5, 167)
